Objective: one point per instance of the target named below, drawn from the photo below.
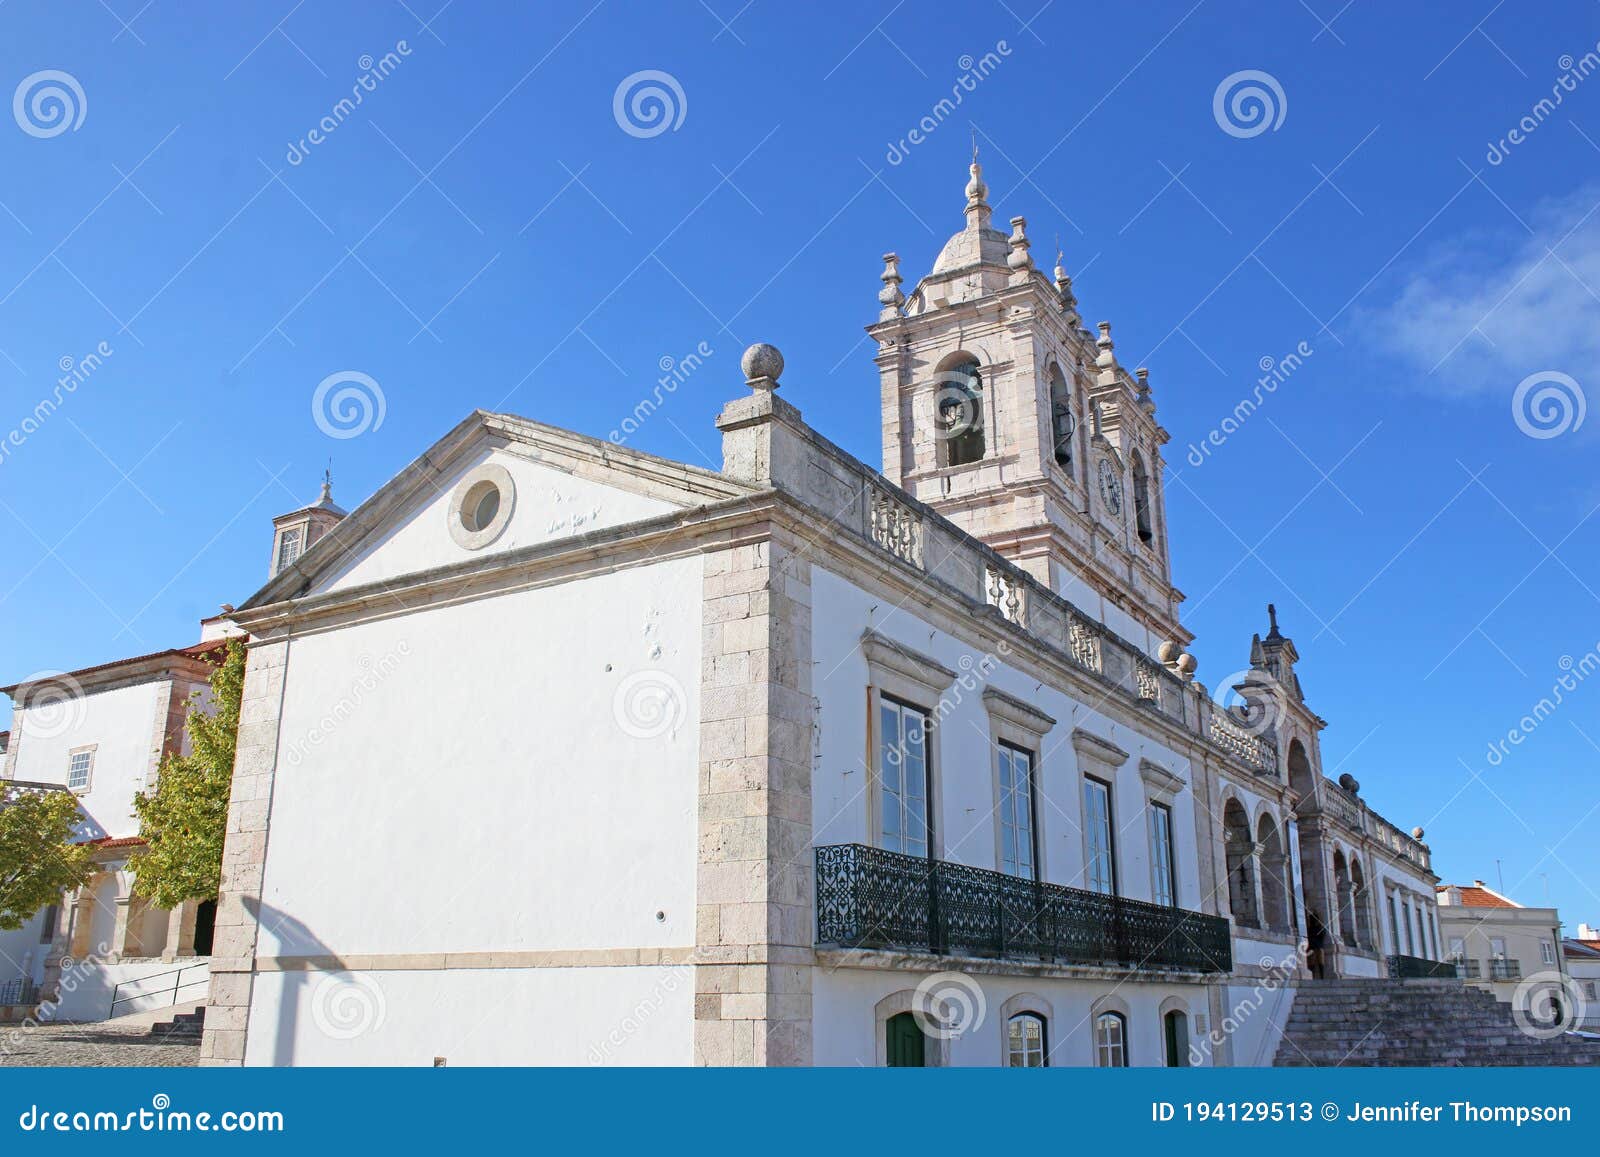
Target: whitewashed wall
(122, 722)
(550, 503)
(460, 779)
(557, 1016)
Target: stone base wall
(754, 880)
(244, 856)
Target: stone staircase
(1414, 1023)
(185, 1026)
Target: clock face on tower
(1110, 486)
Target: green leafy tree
(38, 861)
(184, 819)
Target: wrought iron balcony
(1505, 970)
(1419, 968)
(1468, 969)
(870, 898)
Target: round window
(480, 508)
(482, 504)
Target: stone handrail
(1352, 812)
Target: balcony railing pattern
(1418, 968)
(1505, 970)
(871, 898)
(1468, 969)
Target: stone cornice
(882, 651)
(1160, 779)
(1092, 746)
(1016, 711)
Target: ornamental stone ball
(1417, 833)
(1187, 663)
(1168, 652)
(762, 365)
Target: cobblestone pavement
(69, 1044)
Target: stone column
(180, 930)
(754, 882)
(125, 929)
(244, 854)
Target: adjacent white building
(101, 734)
(555, 752)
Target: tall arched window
(1026, 1047)
(1111, 1041)
(1143, 519)
(1239, 848)
(1274, 875)
(958, 412)
(1063, 421)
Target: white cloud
(1480, 315)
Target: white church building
(555, 752)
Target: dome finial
(327, 483)
(978, 211)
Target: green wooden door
(905, 1041)
(1177, 1034)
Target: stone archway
(1344, 894)
(1239, 849)
(1361, 904)
(1274, 875)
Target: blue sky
(482, 232)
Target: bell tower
(1005, 414)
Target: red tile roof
(116, 842)
(210, 650)
(1477, 895)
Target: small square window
(79, 765)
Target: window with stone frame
(1026, 1046)
(80, 769)
(1100, 872)
(291, 544)
(1164, 883)
(1111, 1041)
